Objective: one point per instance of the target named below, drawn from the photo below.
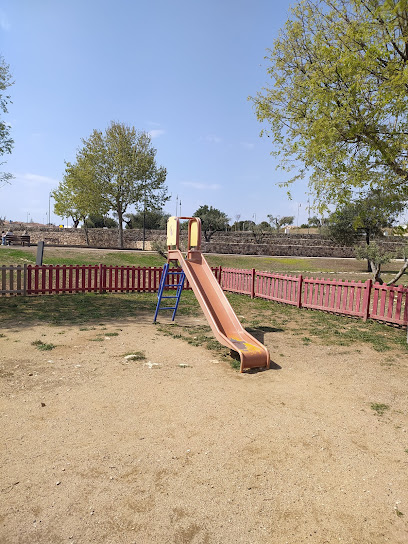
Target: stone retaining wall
(240, 243)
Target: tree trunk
(120, 228)
(376, 272)
(402, 271)
(85, 230)
(369, 266)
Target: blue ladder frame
(163, 285)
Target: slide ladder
(164, 285)
(221, 317)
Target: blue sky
(181, 70)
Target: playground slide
(219, 313)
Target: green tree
(337, 101)
(153, 219)
(376, 257)
(314, 222)
(265, 226)
(278, 222)
(212, 220)
(78, 195)
(6, 142)
(100, 222)
(367, 216)
(122, 162)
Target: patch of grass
(200, 335)
(379, 408)
(98, 339)
(135, 356)
(111, 334)
(39, 344)
(2, 335)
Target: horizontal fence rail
(365, 300)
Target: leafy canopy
(6, 142)
(78, 194)
(151, 219)
(337, 101)
(118, 167)
(212, 220)
(368, 216)
(278, 222)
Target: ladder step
(178, 287)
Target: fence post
(219, 274)
(25, 281)
(299, 293)
(253, 277)
(102, 279)
(366, 299)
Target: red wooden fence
(50, 279)
(360, 299)
(355, 298)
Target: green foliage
(314, 221)
(278, 222)
(6, 142)
(375, 256)
(78, 195)
(116, 169)
(153, 220)
(367, 215)
(379, 408)
(373, 252)
(39, 344)
(100, 222)
(337, 97)
(212, 220)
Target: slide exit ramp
(222, 319)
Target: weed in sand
(135, 356)
(379, 408)
(39, 344)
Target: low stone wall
(239, 243)
(98, 238)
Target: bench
(23, 240)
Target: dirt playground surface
(180, 448)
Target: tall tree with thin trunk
(123, 170)
(6, 142)
(336, 105)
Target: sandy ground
(179, 448)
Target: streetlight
(299, 206)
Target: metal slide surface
(218, 311)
